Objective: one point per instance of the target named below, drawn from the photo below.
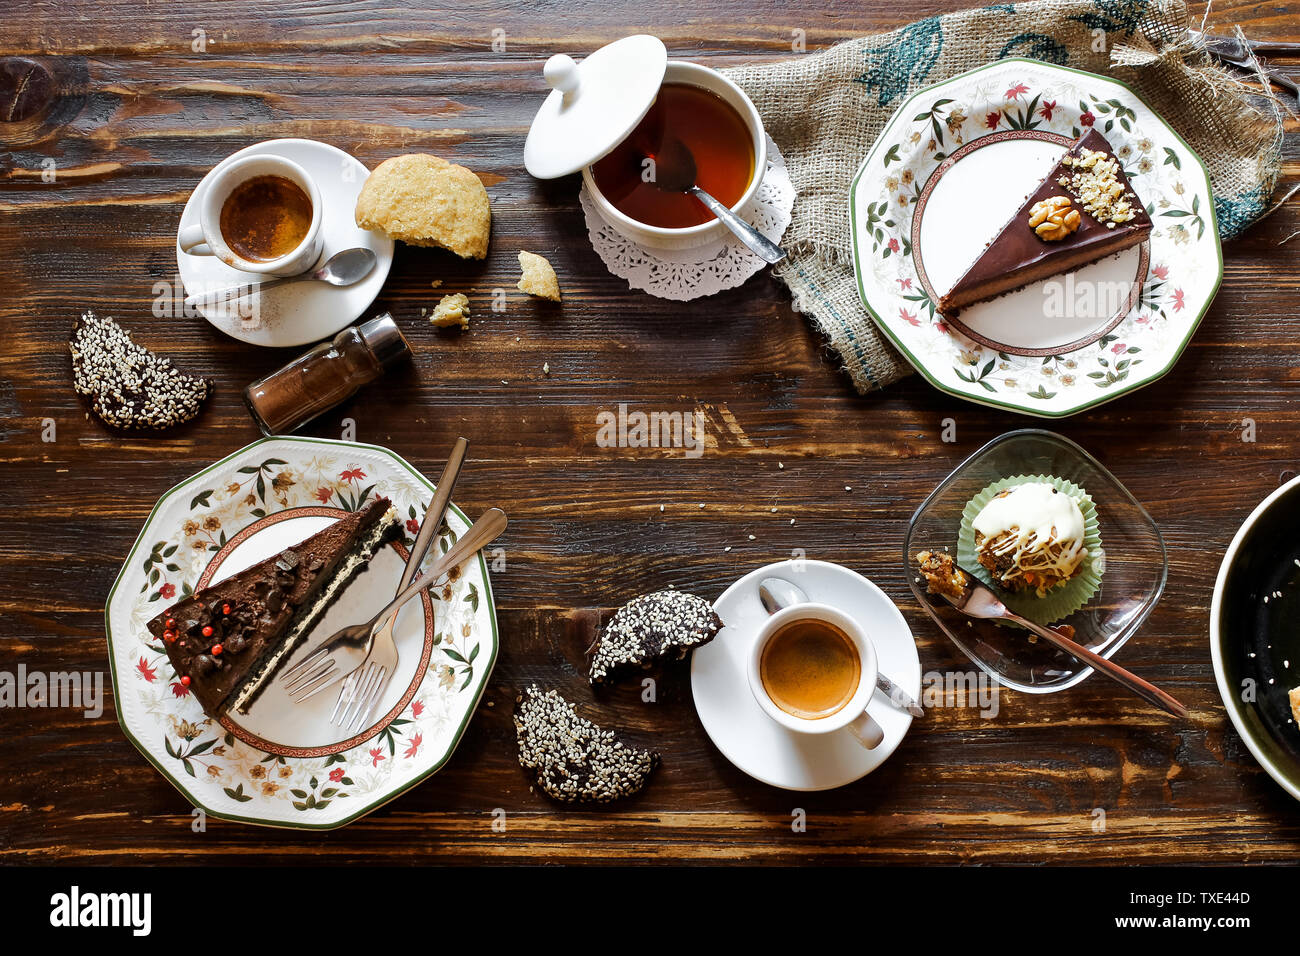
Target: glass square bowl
(1131, 584)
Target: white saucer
(300, 312)
(752, 740)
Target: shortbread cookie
(576, 761)
(424, 200)
(538, 277)
(453, 310)
(651, 627)
(127, 385)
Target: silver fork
(373, 675)
(361, 689)
(419, 548)
(348, 647)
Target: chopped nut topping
(1054, 218)
(1096, 184)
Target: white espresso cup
(853, 714)
(204, 237)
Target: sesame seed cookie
(652, 627)
(575, 760)
(128, 386)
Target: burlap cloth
(825, 110)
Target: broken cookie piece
(575, 760)
(423, 200)
(652, 627)
(453, 310)
(127, 385)
(538, 277)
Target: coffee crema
(265, 218)
(810, 668)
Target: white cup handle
(867, 731)
(192, 241)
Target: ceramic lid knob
(561, 72)
(592, 106)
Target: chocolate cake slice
(1083, 210)
(225, 641)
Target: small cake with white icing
(1031, 538)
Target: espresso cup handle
(192, 242)
(867, 731)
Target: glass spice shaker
(331, 372)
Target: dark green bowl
(1255, 633)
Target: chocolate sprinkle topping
(575, 760)
(650, 627)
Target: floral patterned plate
(284, 764)
(947, 172)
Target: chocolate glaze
(263, 602)
(1016, 256)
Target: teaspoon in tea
(674, 172)
(778, 593)
(341, 269)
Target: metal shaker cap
(385, 340)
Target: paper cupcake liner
(1060, 602)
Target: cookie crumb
(538, 277)
(453, 310)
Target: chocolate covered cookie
(576, 761)
(652, 627)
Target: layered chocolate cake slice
(1084, 210)
(225, 641)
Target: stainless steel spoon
(341, 269)
(778, 593)
(674, 172)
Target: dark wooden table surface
(380, 77)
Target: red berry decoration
(225, 609)
(185, 681)
(169, 623)
(169, 636)
(217, 649)
(207, 630)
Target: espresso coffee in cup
(265, 218)
(260, 214)
(810, 668)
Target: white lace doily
(683, 274)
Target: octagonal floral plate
(284, 764)
(948, 171)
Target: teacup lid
(593, 105)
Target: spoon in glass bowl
(675, 172)
(946, 579)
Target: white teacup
(853, 714)
(204, 237)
